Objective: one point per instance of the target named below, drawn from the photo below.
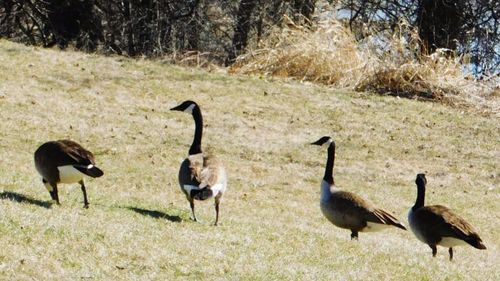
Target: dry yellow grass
(138, 227)
(329, 54)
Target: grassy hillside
(138, 226)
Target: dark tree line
(146, 27)
(463, 26)
(225, 28)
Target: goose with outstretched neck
(201, 176)
(345, 209)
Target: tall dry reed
(386, 64)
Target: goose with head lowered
(345, 209)
(201, 175)
(437, 225)
(65, 161)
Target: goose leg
(217, 202)
(85, 200)
(53, 193)
(191, 203)
(354, 235)
(450, 250)
(51, 190)
(434, 250)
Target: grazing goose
(346, 209)
(201, 176)
(438, 225)
(65, 161)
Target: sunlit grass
(138, 226)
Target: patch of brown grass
(138, 226)
(206, 60)
(329, 54)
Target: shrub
(384, 63)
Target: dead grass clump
(206, 60)
(383, 63)
(327, 55)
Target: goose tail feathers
(388, 219)
(90, 170)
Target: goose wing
(82, 159)
(204, 169)
(75, 154)
(356, 208)
(352, 209)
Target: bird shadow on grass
(155, 214)
(14, 196)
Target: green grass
(138, 226)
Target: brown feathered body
(65, 161)
(202, 171)
(350, 211)
(52, 155)
(438, 225)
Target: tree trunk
(241, 30)
(304, 8)
(440, 24)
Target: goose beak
(176, 108)
(323, 140)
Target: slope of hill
(138, 226)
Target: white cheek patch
(328, 142)
(90, 166)
(189, 109)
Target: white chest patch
(68, 174)
(325, 190)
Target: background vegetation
(224, 28)
(436, 50)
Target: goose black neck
(419, 203)
(329, 164)
(198, 131)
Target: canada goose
(201, 176)
(346, 209)
(65, 161)
(438, 225)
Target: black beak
(322, 140)
(176, 108)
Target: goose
(438, 225)
(345, 209)
(65, 161)
(201, 175)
